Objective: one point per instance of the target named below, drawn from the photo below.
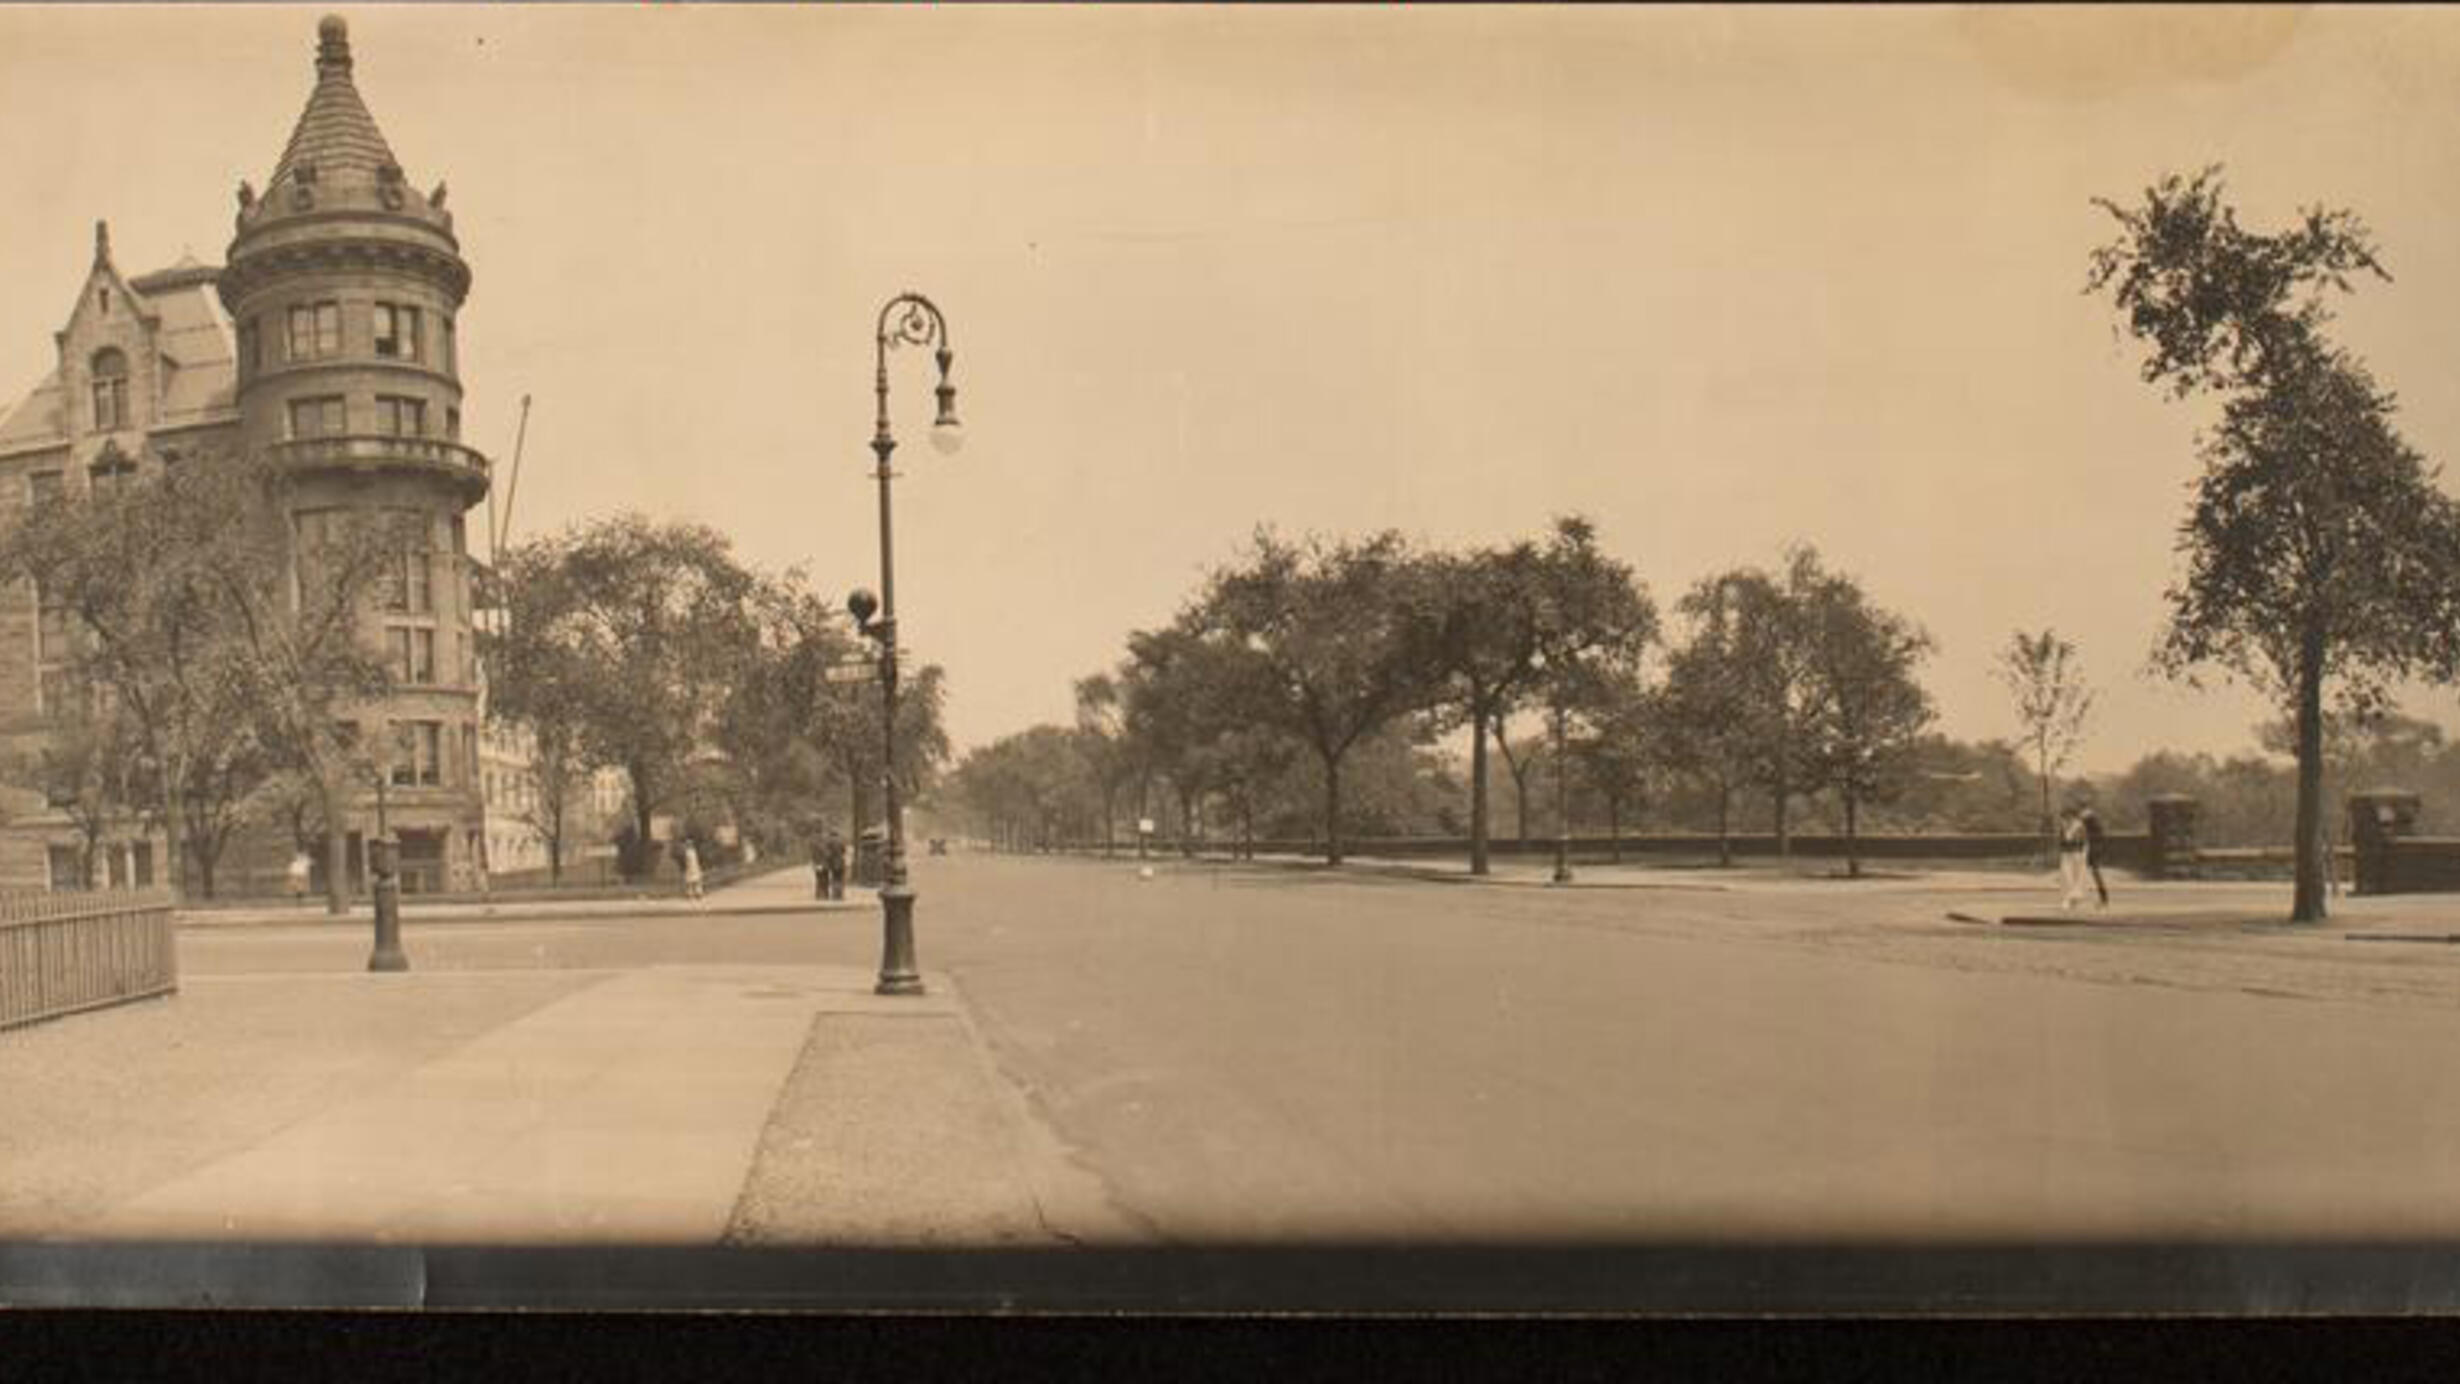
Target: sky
(1721, 280)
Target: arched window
(110, 371)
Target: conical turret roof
(335, 131)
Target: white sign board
(1145, 825)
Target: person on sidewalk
(836, 849)
(691, 871)
(297, 873)
(2095, 845)
(819, 869)
(2071, 859)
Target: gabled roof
(34, 420)
(201, 374)
(335, 131)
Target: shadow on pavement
(2270, 1278)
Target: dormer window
(110, 371)
(102, 300)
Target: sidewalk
(786, 890)
(677, 1105)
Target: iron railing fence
(65, 952)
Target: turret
(344, 283)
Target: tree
(2320, 553)
(206, 619)
(1619, 751)
(539, 687)
(2041, 673)
(1503, 613)
(1867, 707)
(1026, 791)
(638, 632)
(1707, 708)
(1346, 631)
(1110, 752)
(1739, 695)
(89, 768)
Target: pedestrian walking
(819, 869)
(2095, 845)
(2071, 858)
(297, 872)
(691, 871)
(836, 850)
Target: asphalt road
(1259, 1053)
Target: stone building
(328, 341)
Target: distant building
(328, 341)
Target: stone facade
(329, 341)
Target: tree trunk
(646, 864)
(2307, 904)
(174, 863)
(205, 861)
(337, 849)
(1478, 853)
(1783, 795)
(1332, 809)
(1725, 820)
(1247, 829)
(2049, 830)
(1853, 853)
(1614, 827)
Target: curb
(614, 908)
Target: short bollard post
(384, 861)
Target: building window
(397, 416)
(59, 787)
(452, 346)
(58, 692)
(414, 654)
(249, 363)
(397, 331)
(52, 626)
(452, 424)
(322, 416)
(315, 331)
(110, 371)
(67, 871)
(418, 753)
(112, 467)
(407, 584)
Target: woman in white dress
(2072, 879)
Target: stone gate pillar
(2377, 819)
(2172, 852)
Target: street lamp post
(909, 319)
(384, 890)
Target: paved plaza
(1274, 1053)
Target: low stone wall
(2121, 850)
(2419, 865)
